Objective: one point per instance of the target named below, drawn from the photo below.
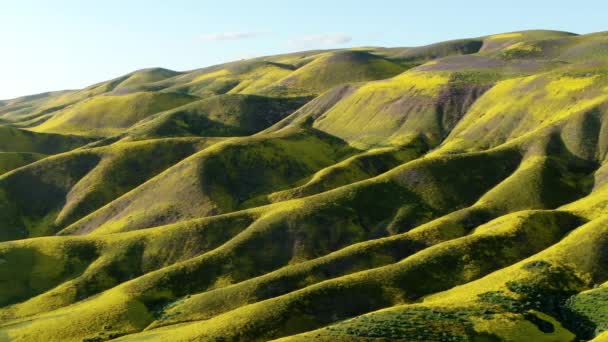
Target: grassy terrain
(14, 160)
(110, 114)
(331, 69)
(450, 192)
(18, 140)
(20, 147)
(221, 115)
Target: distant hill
(450, 192)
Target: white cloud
(236, 35)
(322, 39)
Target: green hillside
(450, 192)
(220, 115)
(109, 114)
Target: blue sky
(51, 45)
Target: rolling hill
(450, 192)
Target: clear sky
(52, 45)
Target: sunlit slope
(32, 110)
(144, 76)
(412, 105)
(333, 69)
(574, 99)
(451, 192)
(239, 77)
(109, 115)
(18, 140)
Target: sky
(52, 45)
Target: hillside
(450, 192)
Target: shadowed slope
(13, 160)
(222, 115)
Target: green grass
(222, 115)
(111, 114)
(413, 105)
(331, 69)
(18, 140)
(44, 197)
(13, 160)
(144, 76)
(538, 102)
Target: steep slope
(392, 112)
(575, 100)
